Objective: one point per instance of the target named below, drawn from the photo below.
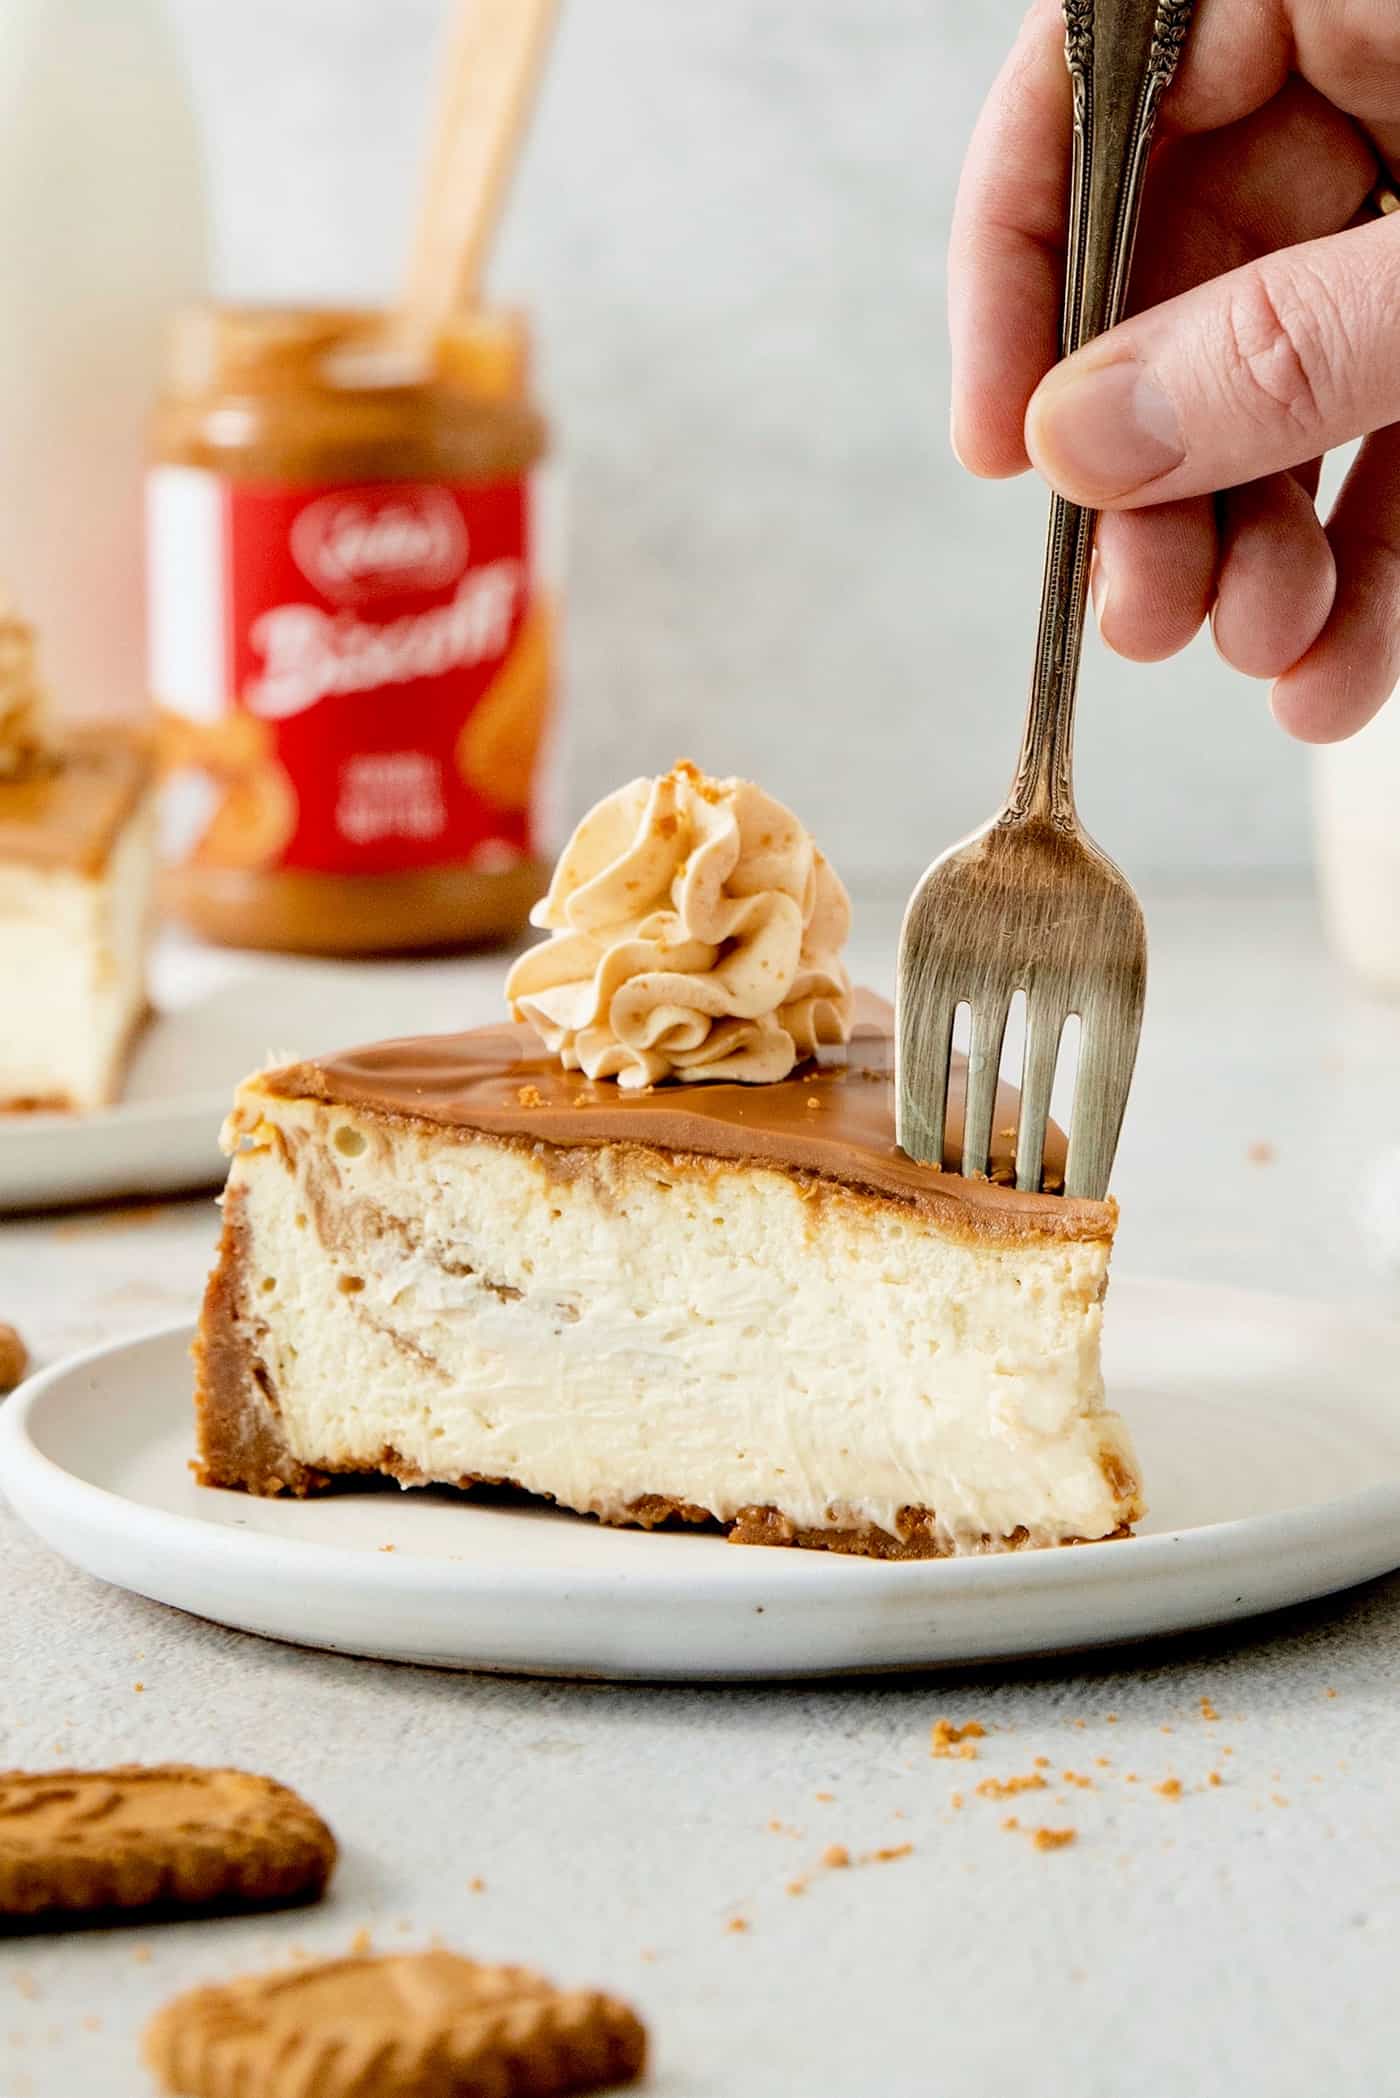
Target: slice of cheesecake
(452, 1260)
(77, 863)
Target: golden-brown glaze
(832, 1120)
(67, 815)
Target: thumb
(1248, 374)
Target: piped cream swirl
(695, 932)
(24, 725)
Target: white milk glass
(1358, 847)
(102, 234)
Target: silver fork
(1029, 903)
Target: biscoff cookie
(154, 1836)
(499, 745)
(413, 2025)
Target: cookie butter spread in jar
(350, 636)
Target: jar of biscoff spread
(350, 631)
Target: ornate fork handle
(1121, 56)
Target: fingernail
(1103, 432)
(1098, 586)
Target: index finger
(1006, 252)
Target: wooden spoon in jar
(494, 60)
(494, 64)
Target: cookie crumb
(950, 1740)
(1261, 1152)
(1214, 1778)
(1208, 1711)
(737, 1925)
(1053, 1838)
(890, 1852)
(826, 1798)
(1170, 1788)
(529, 1096)
(476, 1885)
(796, 1886)
(14, 1357)
(836, 1857)
(1008, 1787)
(1077, 1777)
(361, 1943)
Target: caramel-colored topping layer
(68, 814)
(832, 1119)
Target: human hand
(1261, 334)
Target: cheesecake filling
(75, 941)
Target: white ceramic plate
(1269, 1435)
(219, 1015)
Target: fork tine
(983, 1073)
(923, 1058)
(1107, 1048)
(1045, 1026)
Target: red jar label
(360, 674)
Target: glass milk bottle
(1357, 787)
(102, 235)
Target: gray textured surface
(731, 225)
(1239, 1940)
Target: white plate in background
(1270, 1440)
(219, 1015)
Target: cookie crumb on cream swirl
(695, 932)
(24, 722)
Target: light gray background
(731, 226)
